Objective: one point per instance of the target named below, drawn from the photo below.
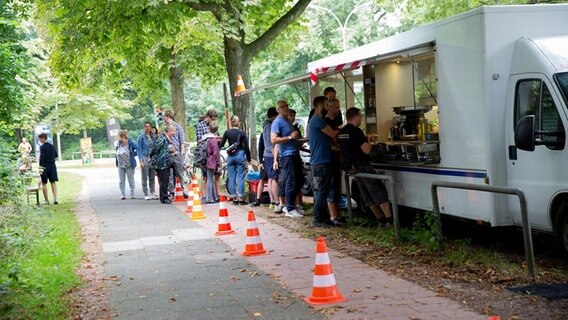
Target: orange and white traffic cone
(240, 85)
(253, 246)
(224, 226)
(197, 212)
(324, 289)
(178, 197)
(189, 208)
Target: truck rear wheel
(563, 234)
(561, 229)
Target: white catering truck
(493, 84)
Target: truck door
(537, 172)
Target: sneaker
(243, 202)
(167, 201)
(301, 211)
(147, 198)
(236, 202)
(278, 209)
(293, 214)
(320, 225)
(122, 197)
(285, 209)
(255, 204)
(337, 223)
(132, 197)
(385, 222)
(46, 202)
(55, 202)
(155, 196)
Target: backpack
(200, 154)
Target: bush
(11, 186)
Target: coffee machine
(405, 123)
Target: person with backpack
(213, 162)
(202, 129)
(238, 158)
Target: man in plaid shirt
(201, 129)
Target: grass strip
(37, 266)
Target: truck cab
(536, 132)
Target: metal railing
(108, 154)
(529, 253)
(391, 191)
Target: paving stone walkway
(163, 266)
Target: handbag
(232, 149)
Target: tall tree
(248, 28)
(146, 42)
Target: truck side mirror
(525, 138)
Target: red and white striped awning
(340, 67)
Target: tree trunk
(243, 106)
(176, 85)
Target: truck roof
(409, 39)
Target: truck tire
(562, 233)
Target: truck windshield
(562, 81)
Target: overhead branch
(215, 9)
(253, 48)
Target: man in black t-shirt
(47, 155)
(334, 196)
(337, 121)
(355, 152)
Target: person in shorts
(47, 155)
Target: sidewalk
(371, 293)
(162, 266)
(166, 267)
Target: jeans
(335, 190)
(236, 167)
(292, 168)
(322, 176)
(129, 173)
(148, 177)
(211, 191)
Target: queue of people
(334, 148)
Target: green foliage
(103, 43)
(39, 251)
(11, 186)
(423, 232)
(418, 12)
(15, 66)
